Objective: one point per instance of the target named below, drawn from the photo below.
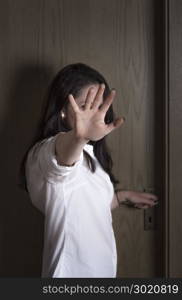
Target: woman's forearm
(69, 147)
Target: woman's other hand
(136, 199)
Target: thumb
(116, 124)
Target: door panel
(117, 38)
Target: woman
(68, 175)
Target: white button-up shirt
(78, 238)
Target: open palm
(89, 122)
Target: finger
(89, 98)
(99, 97)
(105, 106)
(142, 206)
(144, 201)
(115, 124)
(73, 103)
(150, 196)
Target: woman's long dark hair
(70, 80)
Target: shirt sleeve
(44, 156)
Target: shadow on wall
(21, 230)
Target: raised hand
(89, 121)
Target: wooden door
(118, 38)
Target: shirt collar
(88, 147)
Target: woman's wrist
(80, 139)
(123, 198)
(117, 198)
